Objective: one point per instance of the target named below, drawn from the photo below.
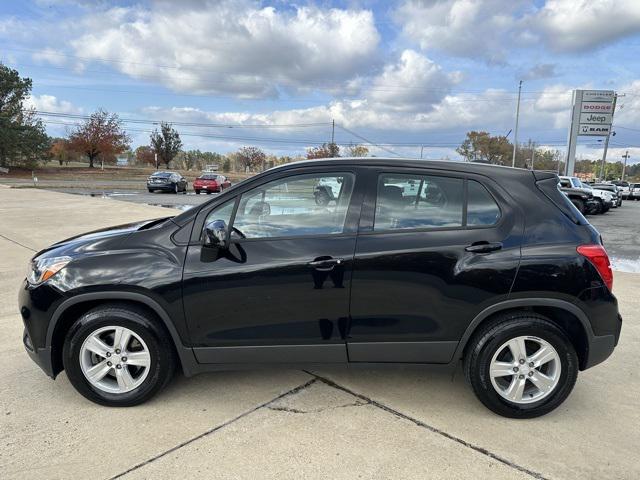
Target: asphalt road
(620, 230)
(326, 423)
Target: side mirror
(215, 234)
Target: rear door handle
(483, 247)
(325, 264)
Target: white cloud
(414, 83)
(578, 25)
(50, 103)
(50, 55)
(466, 28)
(233, 47)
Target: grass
(81, 172)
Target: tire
(156, 346)
(579, 204)
(175, 189)
(197, 192)
(490, 341)
(151, 190)
(322, 198)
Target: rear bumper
(602, 346)
(169, 187)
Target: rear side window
(482, 209)
(418, 201)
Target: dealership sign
(592, 116)
(598, 96)
(596, 118)
(597, 107)
(594, 129)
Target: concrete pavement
(329, 423)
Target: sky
(404, 76)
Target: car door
(429, 258)
(280, 292)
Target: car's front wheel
(116, 355)
(521, 365)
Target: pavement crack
(431, 428)
(216, 428)
(277, 408)
(17, 243)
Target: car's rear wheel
(197, 192)
(521, 365)
(116, 355)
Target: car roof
(446, 165)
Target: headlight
(42, 269)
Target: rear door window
(482, 209)
(418, 201)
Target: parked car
(624, 188)
(166, 182)
(581, 198)
(497, 270)
(615, 191)
(606, 198)
(210, 183)
(326, 190)
(634, 191)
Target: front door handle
(325, 264)
(483, 247)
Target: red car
(210, 182)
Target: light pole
(515, 133)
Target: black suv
(411, 262)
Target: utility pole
(533, 155)
(624, 165)
(421, 149)
(515, 134)
(333, 130)
(606, 140)
(155, 156)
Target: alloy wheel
(525, 369)
(115, 359)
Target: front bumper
(36, 305)
(42, 356)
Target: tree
(326, 150)
(61, 151)
(250, 158)
(357, 151)
(23, 140)
(100, 136)
(482, 147)
(166, 143)
(145, 155)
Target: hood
(97, 240)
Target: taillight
(598, 257)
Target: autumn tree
(250, 158)
(166, 143)
(100, 136)
(61, 151)
(326, 150)
(145, 155)
(23, 140)
(357, 151)
(482, 147)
